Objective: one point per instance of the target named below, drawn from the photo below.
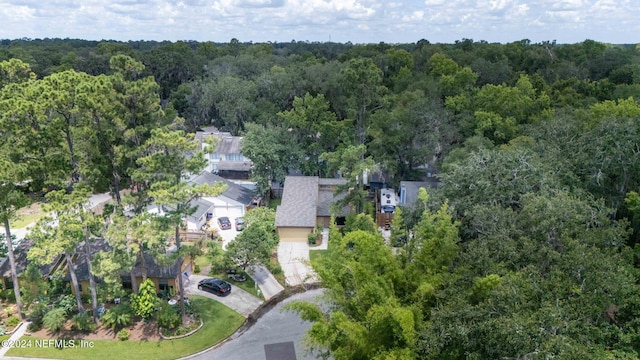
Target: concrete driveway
(239, 300)
(266, 281)
(294, 260)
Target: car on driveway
(216, 286)
(224, 223)
(239, 224)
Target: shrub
(145, 302)
(123, 334)
(312, 238)
(7, 295)
(168, 318)
(275, 269)
(33, 327)
(67, 302)
(196, 269)
(12, 321)
(55, 319)
(86, 298)
(119, 315)
(36, 314)
(83, 322)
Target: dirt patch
(140, 331)
(34, 208)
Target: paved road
(274, 328)
(94, 200)
(239, 300)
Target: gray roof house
(163, 275)
(234, 201)
(202, 213)
(227, 159)
(408, 190)
(20, 253)
(306, 203)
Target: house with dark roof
(163, 275)
(408, 192)
(235, 198)
(20, 252)
(226, 159)
(306, 204)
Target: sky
(356, 21)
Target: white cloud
(316, 20)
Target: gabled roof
(233, 191)
(81, 267)
(153, 269)
(201, 205)
(204, 177)
(226, 165)
(326, 198)
(304, 198)
(156, 270)
(229, 145)
(299, 202)
(411, 190)
(20, 252)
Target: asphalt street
(273, 329)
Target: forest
(527, 249)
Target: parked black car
(224, 222)
(216, 286)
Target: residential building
(408, 194)
(306, 204)
(226, 159)
(234, 201)
(20, 253)
(164, 276)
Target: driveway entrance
(239, 300)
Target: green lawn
(316, 254)
(28, 216)
(202, 261)
(219, 323)
(249, 285)
(273, 203)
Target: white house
(226, 159)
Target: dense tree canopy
(527, 248)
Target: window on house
(215, 156)
(235, 157)
(126, 283)
(163, 285)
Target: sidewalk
(17, 334)
(265, 280)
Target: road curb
(259, 312)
